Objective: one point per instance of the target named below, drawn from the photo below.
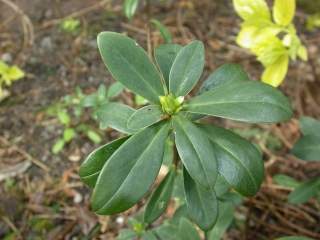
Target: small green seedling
(130, 7)
(272, 41)
(70, 25)
(8, 74)
(70, 113)
(122, 172)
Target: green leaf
(165, 33)
(160, 198)
(283, 11)
(186, 69)
(92, 165)
(307, 148)
(115, 89)
(285, 181)
(130, 65)
(64, 117)
(130, 171)
(145, 117)
(115, 115)
(149, 235)
(102, 93)
(227, 73)
(247, 101)
(126, 234)
(68, 134)
(187, 231)
(89, 100)
(309, 126)
(239, 161)
(165, 55)
(226, 211)
(304, 191)
(58, 146)
(166, 232)
(93, 136)
(293, 238)
(130, 7)
(249, 9)
(275, 73)
(202, 203)
(195, 151)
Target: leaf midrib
(139, 74)
(135, 164)
(189, 140)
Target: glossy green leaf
(226, 211)
(165, 55)
(307, 148)
(195, 151)
(304, 192)
(145, 117)
(165, 33)
(160, 198)
(187, 231)
(309, 126)
(227, 73)
(247, 101)
(202, 203)
(239, 161)
(130, 65)
(167, 232)
(130, 171)
(91, 167)
(115, 115)
(186, 69)
(130, 7)
(285, 181)
(283, 11)
(294, 238)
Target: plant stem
(206, 235)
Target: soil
(45, 199)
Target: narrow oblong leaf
(225, 218)
(92, 165)
(283, 11)
(304, 191)
(130, 171)
(307, 148)
(145, 117)
(309, 126)
(202, 203)
(160, 198)
(165, 55)
(115, 115)
(247, 101)
(285, 181)
(239, 161)
(186, 69)
(165, 33)
(226, 73)
(195, 151)
(130, 7)
(130, 65)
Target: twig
(76, 14)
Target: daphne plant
(123, 171)
(272, 41)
